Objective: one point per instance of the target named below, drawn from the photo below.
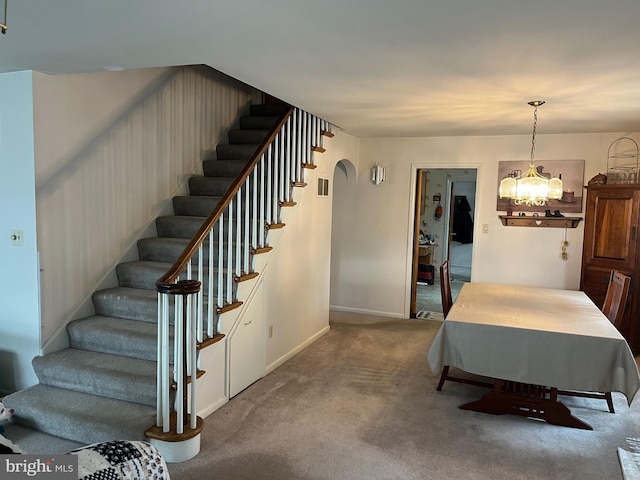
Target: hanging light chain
(533, 136)
(535, 104)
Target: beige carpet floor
(360, 403)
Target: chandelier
(531, 188)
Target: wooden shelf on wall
(540, 222)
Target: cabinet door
(611, 227)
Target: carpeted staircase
(103, 387)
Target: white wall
(19, 315)
(112, 148)
(376, 234)
(298, 276)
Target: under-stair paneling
(246, 343)
(211, 389)
(107, 165)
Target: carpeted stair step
(117, 336)
(178, 226)
(206, 186)
(253, 122)
(166, 249)
(197, 206)
(113, 376)
(223, 168)
(201, 185)
(130, 303)
(144, 274)
(239, 135)
(80, 416)
(268, 109)
(141, 273)
(235, 151)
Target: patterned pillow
(120, 460)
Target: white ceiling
(375, 68)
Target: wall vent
(323, 187)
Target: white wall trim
(298, 349)
(205, 412)
(364, 311)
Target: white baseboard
(363, 311)
(208, 410)
(297, 350)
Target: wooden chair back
(445, 288)
(616, 298)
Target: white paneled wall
(108, 164)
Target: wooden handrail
(200, 236)
(277, 164)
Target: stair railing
(217, 257)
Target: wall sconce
(3, 25)
(377, 174)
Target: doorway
(445, 209)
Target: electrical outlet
(17, 238)
(270, 331)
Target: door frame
(411, 271)
(419, 201)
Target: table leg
(533, 401)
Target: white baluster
(277, 151)
(229, 286)
(254, 223)
(193, 365)
(178, 365)
(247, 213)
(267, 199)
(210, 295)
(262, 216)
(200, 297)
(238, 223)
(287, 176)
(220, 260)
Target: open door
(460, 206)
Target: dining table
(533, 342)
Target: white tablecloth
(556, 338)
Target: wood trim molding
(530, 221)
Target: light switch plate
(17, 237)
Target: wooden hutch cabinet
(611, 241)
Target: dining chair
(447, 303)
(616, 297)
(445, 288)
(614, 305)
